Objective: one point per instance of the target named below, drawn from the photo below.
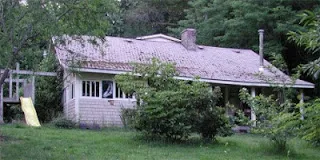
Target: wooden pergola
(14, 81)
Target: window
(64, 97)
(120, 94)
(111, 90)
(71, 91)
(107, 89)
(90, 89)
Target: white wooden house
(92, 96)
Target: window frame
(90, 89)
(100, 82)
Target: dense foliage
(26, 31)
(308, 37)
(170, 108)
(229, 23)
(275, 119)
(49, 90)
(136, 18)
(310, 127)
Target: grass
(20, 142)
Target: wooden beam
(20, 80)
(33, 89)
(17, 81)
(10, 84)
(52, 74)
(10, 100)
(226, 99)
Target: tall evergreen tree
(143, 17)
(230, 23)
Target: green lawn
(19, 142)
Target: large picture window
(107, 88)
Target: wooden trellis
(28, 85)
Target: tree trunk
(2, 80)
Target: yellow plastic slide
(30, 113)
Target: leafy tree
(49, 90)
(26, 27)
(229, 23)
(308, 37)
(310, 127)
(170, 108)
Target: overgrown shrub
(279, 121)
(62, 122)
(239, 119)
(310, 128)
(173, 109)
(128, 117)
(49, 91)
(12, 113)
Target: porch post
(17, 82)
(33, 94)
(226, 98)
(302, 104)
(253, 114)
(1, 104)
(10, 84)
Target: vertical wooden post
(33, 90)
(253, 114)
(17, 81)
(1, 104)
(10, 84)
(226, 98)
(302, 104)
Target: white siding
(102, 111)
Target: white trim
(253, 114)
(53, 74)
(159, 36)
(78, 94)
(236, 83)
(114, 90)
(89, 90)
(301, 104)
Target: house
(90, 64)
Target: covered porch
(231, 101)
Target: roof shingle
(212, 63)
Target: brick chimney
(188, 39)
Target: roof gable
(159, 38)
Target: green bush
(173, 109)
(49, 90)
(310, 127)
(12, 113)
(62, 122)
(279, 121)
(128, 117)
